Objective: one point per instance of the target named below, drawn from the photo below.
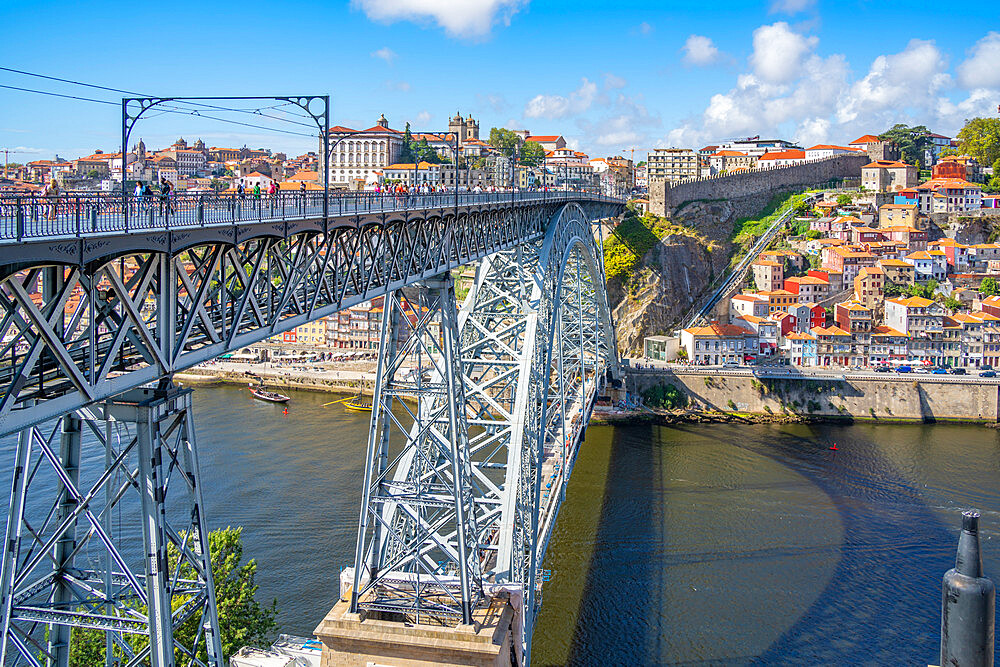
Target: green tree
(912, 141)
(952, 304)
(93, 173)
(504, 140)
(980, 138)
(665, 396)
(242, 619)
(532, 154)
(844, 200)
(989, 287)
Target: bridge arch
(534, 343)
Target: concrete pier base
(355, 641)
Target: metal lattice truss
(71, 335)
(74, 566)
(536, 338)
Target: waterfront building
(718, 344)
(913, 315)
(887, 346)
(768, 333)
(800, 348)
(991, 346)
(857, 319)
(833, 346)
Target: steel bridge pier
(477, 418)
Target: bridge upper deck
(73, 216)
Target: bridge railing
(84, 214)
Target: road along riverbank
(854, 397)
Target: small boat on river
(356, 402)
(262, 394)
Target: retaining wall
(909, 398)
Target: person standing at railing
(302, 195)
(52, 194)
(272, 190)
(165, 192)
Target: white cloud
(627, 124)
(401, 86)
(385, 53)
(496, 102)
(465, 18)
(614, 82)
(908, 79)
(699, 50)
(778, 52)
(644, 28)
(982, 69)
(820, 101)
(423, 118)
(558, 106)
(791, 6)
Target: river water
(708, 544)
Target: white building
(821, 151)
(356, 154)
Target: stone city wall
(665, 197)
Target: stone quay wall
(902, 397)
(665, 197)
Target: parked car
(939, 371)
(957, 371)
(904, 369)
(987, 374)
(985, 367)
(883, 369)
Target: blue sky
(607, 75)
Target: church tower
(457, 126)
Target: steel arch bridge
(96, 319)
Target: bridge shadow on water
(880, 606)
(614, 625)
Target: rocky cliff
(693, 250)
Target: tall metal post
(41, 605)
(62, 593)
(161, 632)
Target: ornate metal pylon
(418, 551)
(74, 566)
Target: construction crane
(6, 158)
